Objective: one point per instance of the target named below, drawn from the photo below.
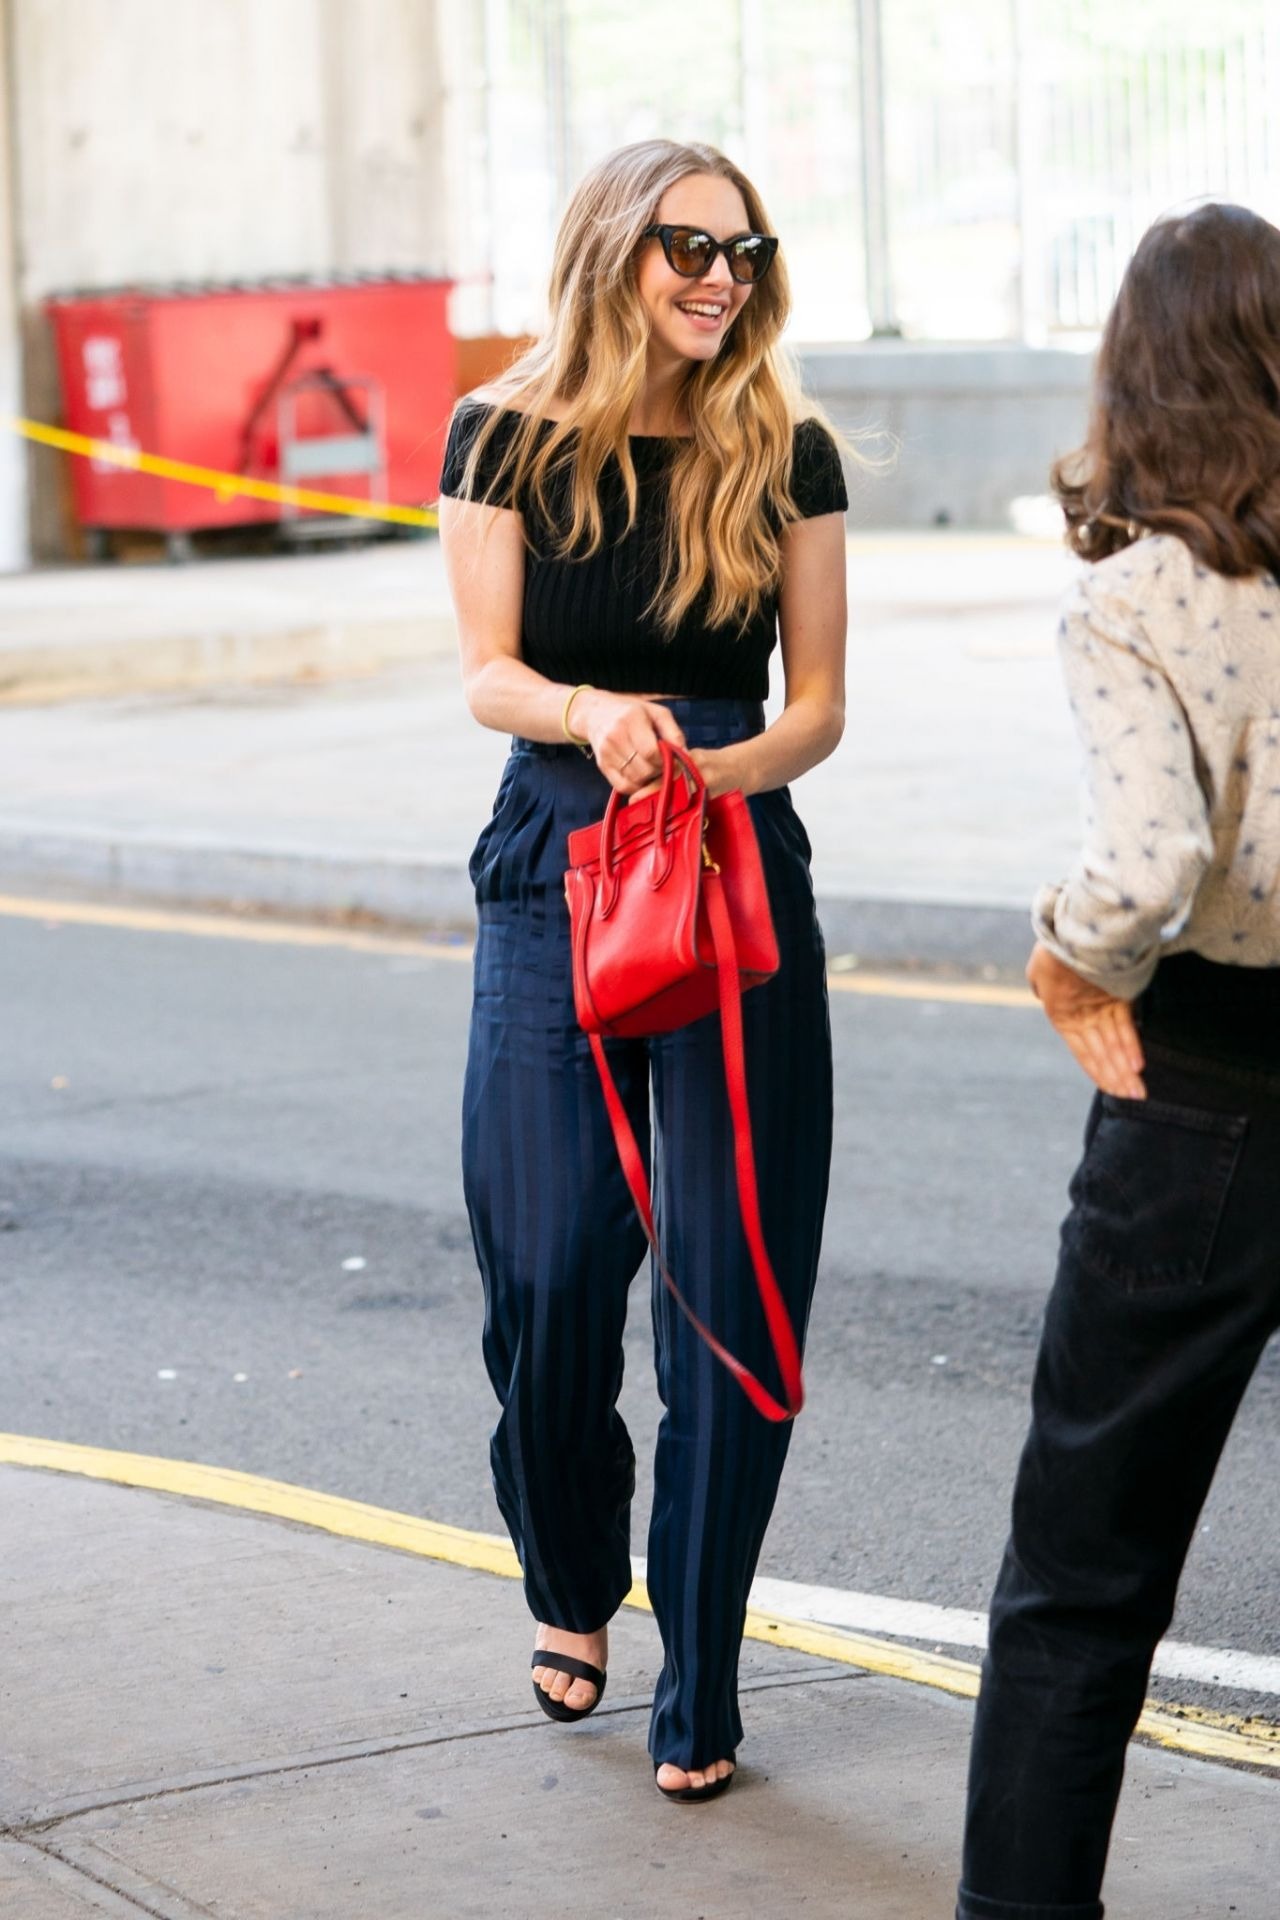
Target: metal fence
(974, 172)
(1130, 131)
(1026, 161)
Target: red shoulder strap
(778, 1320)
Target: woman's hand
(1098, 1028)
(720, 767)
(624, 734)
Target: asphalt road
(231, 1231)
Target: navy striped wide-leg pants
(558, 1241)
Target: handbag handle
(781, 1332)
(673, 757)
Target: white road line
(958, 1627)
(1218, 1666)
(871, 1613)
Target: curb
(931, 933)
(218, 656)
(436, 896)
(203, 872)
(1202, 1735)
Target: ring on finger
(630, 757)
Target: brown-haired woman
(641, 504)
(1158, 961)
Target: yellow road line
(213, 926)
(225, 486)
(1183, 1729)
(251, 1493)
(956, 992)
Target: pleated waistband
(549, 790)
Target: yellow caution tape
(225, 486)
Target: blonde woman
(632, 518)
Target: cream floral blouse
(1173, 673)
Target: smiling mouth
(702, 309)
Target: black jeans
(1168, 1288)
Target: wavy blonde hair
(730, 489)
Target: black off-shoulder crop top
(587, 619)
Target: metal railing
(1042, 150)
(990, 186)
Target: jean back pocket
(1148, 1197)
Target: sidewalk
(210, 1712)
(84, 631)
(311, 749)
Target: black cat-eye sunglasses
(690, 252)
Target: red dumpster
(343, 385)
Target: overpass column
(875, 170)
(13, 454)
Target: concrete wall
(216, 139)
(967, 428)
(13, 503)
(193, 139)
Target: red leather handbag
(670, 919)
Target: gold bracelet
(573, 739)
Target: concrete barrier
(963, 430)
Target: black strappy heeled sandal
(580, 1670)
(689, 1796)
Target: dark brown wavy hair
(1184, 428)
